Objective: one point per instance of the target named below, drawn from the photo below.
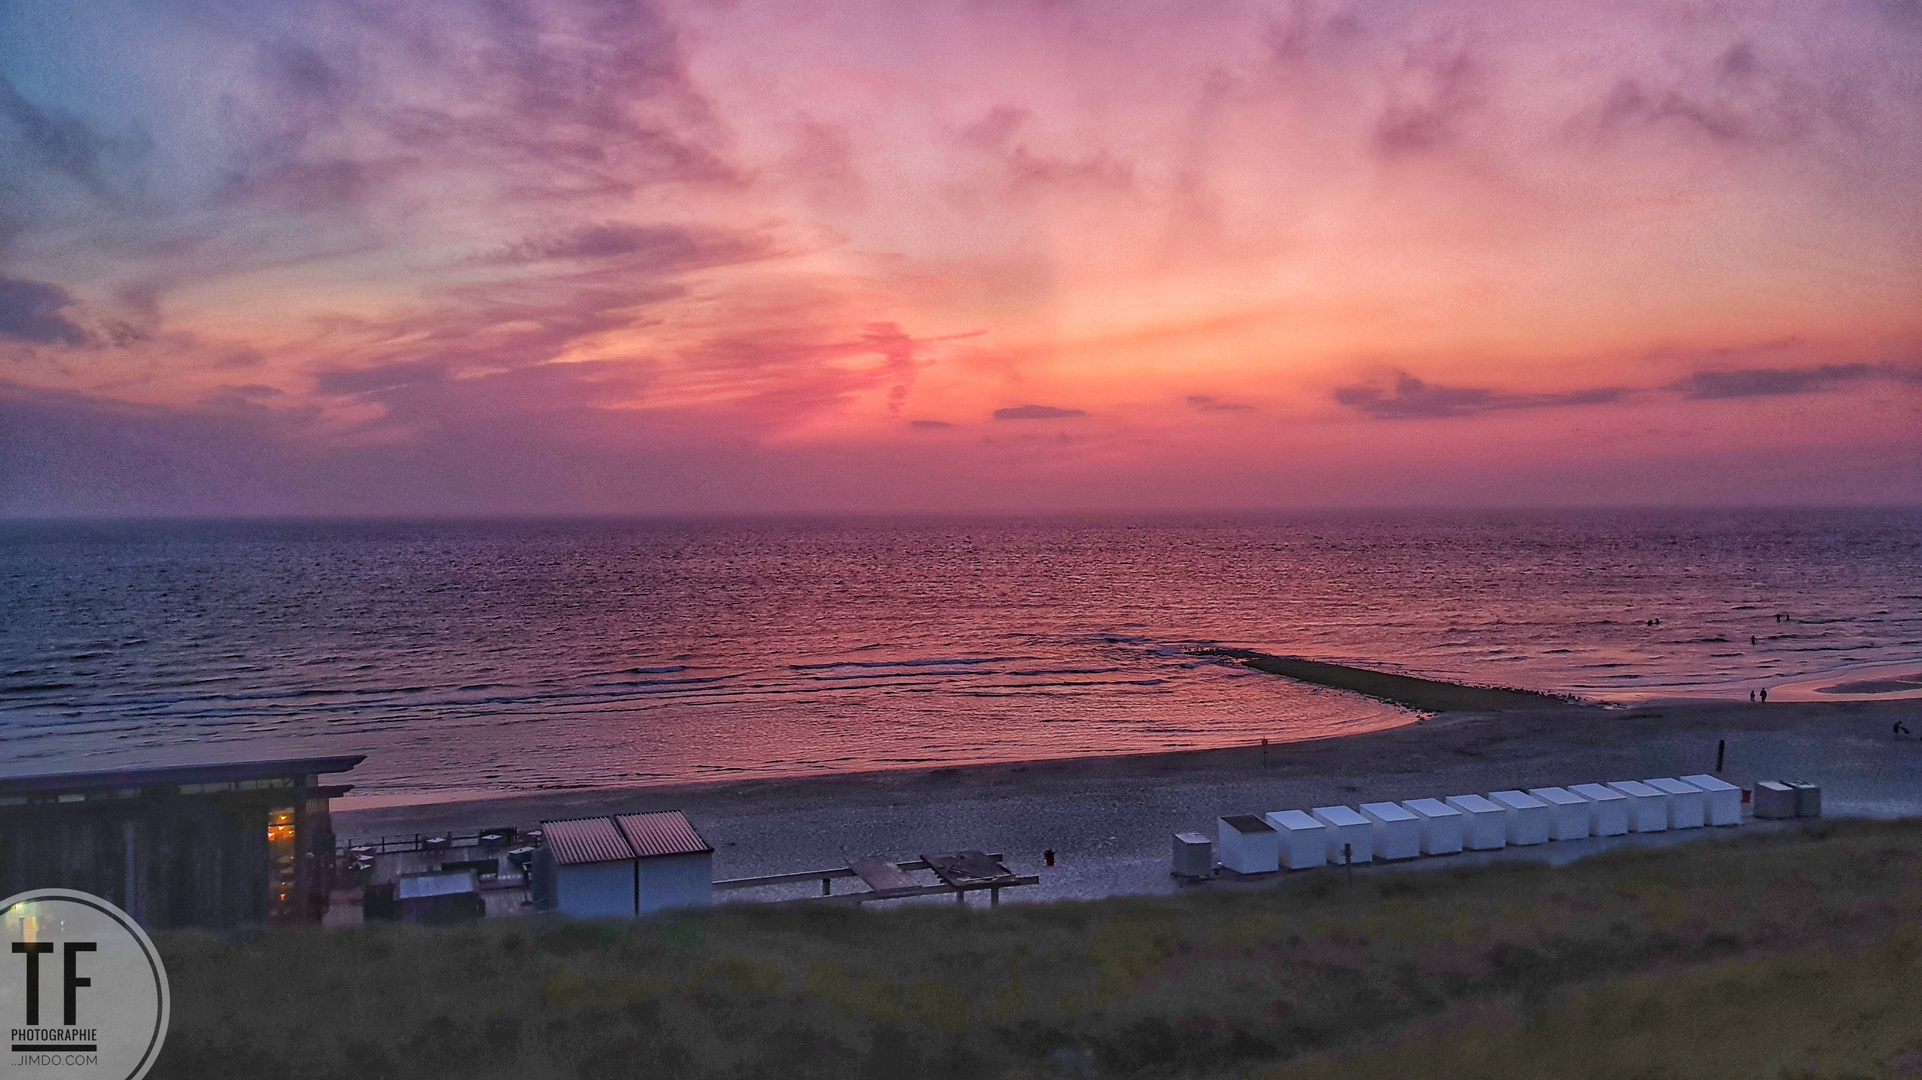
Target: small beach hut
(634, 864)
(1774, 799)
(1248, 844)
(1607, 809)
(1808, 798)
(1723, 798)
(1304, 841)
(1568, 813)
(437, 899)
(1485, 827)
(1351, 837)
(1647, 806)
(1397, 832)
(676, 866)
(1687, 804)
(1526, 817)
(1194, 855)
(586, 867)
(1441, 825)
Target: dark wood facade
(196, 846)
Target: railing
(826, 877)
(401, 845)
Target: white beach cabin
(1607, 808)
(1774, 799)
(1808, 798)
(1485, 825)
(1527, 818)
(1441, 825)
(1647, 806)
(1568, 813)
(1687, 804)
(1194, 855)
(1304, 841)
(634, 864)
(586, 867)
(1724, 799)
(1347, 829)
(1248, 844)
(1397, 832)
(676, 865)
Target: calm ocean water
(525, 655)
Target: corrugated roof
(586, 840)
(661, 834)
(204, 773)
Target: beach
(1109, 818)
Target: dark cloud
(654, 248)
(30, 311)
(1771, 382)
(379, 377)
(1206, 403)
(335, 184)
(1037, 412)
(1739, 96)
(930, 425)
(54, 139)
(1441, 84)
(1411, 398)
(998, 134)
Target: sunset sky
(397, 256)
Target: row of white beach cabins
(1297, 839)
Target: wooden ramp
(959, 872)
(881, 875)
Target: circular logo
(83, 995)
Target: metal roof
(209, 773)
(661, 834)
(426, 886)
(586, 840)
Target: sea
(501, 656)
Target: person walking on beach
(1765, 697)
(1751, 697)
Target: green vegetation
(1427, 695)
(1791, 953)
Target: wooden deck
(958, 873)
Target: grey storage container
(1194, 855)
(1774, 800)
(1808, 798)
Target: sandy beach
(1109, 818)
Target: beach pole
(1348, 860)
(1721, 752)
(1264, 753)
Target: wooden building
(189, 846)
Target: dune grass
(1212, 983)
(1805, 1015)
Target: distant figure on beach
(1765, 696)
(1751, 639)
(1899, 729)
(1751, 697)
